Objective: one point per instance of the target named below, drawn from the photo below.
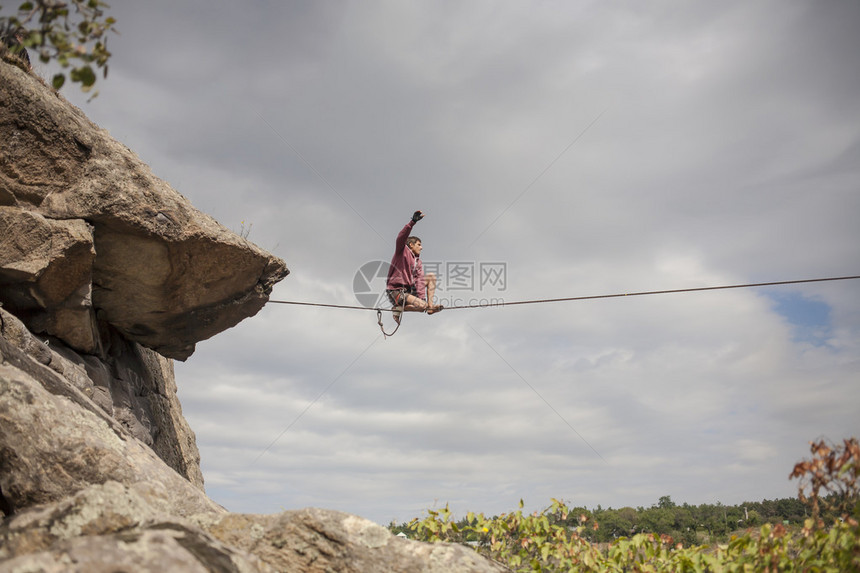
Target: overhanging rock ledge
(89, 237)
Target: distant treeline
(692, 524)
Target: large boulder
(143, 259)
(114, 527)
(318, 540)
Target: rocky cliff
(106, 274)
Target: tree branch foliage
(72, 33)
(830, 481)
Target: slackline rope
(575, 298)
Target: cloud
(592, 149)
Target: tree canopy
(72, 33)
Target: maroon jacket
(406, 270)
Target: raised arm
(400, 244)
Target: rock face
(132, 387)
(55, 441)
(105, 275)
(90, 236)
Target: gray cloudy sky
(590, 148)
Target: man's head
(414, 245)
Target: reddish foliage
(831, 479)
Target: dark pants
(397, 296)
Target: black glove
(417, 216)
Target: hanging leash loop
(396, 312)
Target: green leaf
(58, 81)
(544, 552)
(85, 75)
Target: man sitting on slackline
(408, 287)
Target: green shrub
(546, 540)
